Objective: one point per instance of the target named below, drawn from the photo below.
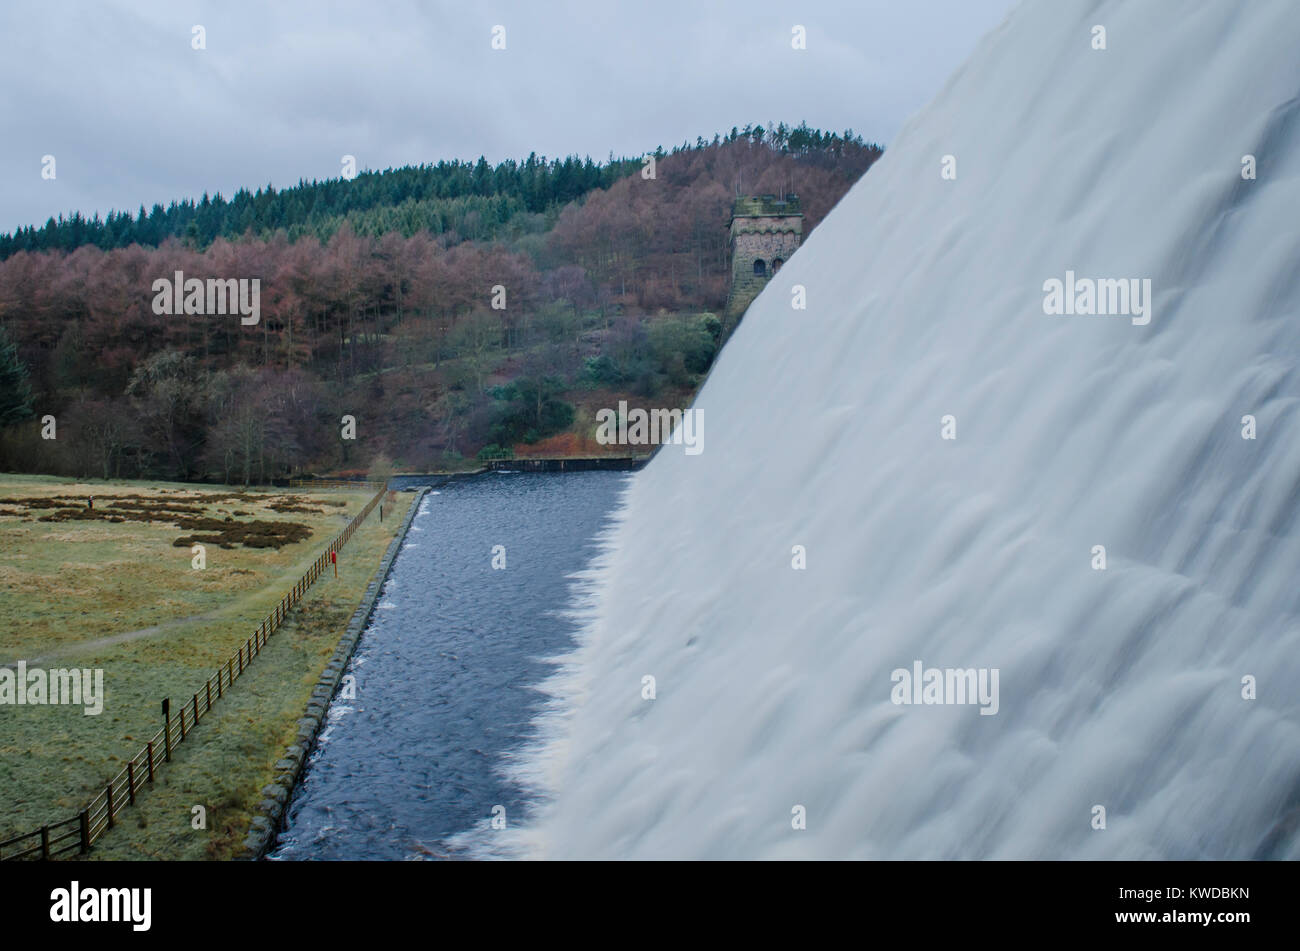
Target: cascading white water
(1121, 688)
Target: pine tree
(15, 391)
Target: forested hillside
(376, 301)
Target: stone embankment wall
(288, 769)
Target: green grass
(54, 758)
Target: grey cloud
(134, 116)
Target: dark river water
(444, 671)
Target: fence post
(219, 683)
(182, 723)
(241, 659)
(45, 842)
(84, 816)
(167, 729)
(149, 758)
(110, 805)
(196, 709)
(207, 689)
(130, 781)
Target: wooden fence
(79, 833)
(333, 484)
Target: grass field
(106, 588)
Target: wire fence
(80, 832)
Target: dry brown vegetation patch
(188, 513)
(297, 504)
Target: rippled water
(445, 670)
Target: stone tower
(765, 231)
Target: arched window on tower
(776, 264)
(760, 268)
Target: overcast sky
(133, 114)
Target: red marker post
(334, 560)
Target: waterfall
(1099, 507)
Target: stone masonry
(765, 231)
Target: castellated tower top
(766, 206)
(764, 232)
